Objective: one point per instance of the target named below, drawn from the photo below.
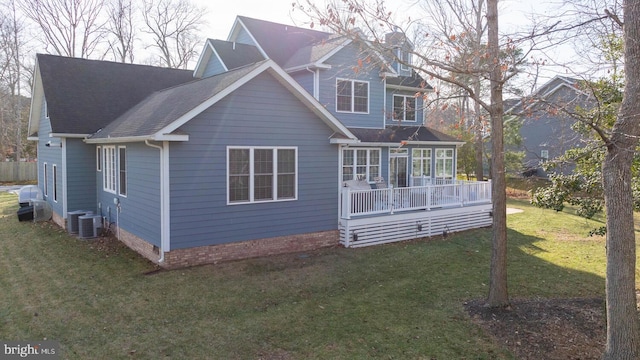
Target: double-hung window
(444, 163)
(404, 108)
(259, 174)
(360, 164)
(352, 96)
(109, 170)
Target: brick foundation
(59, 220)
(232, 251)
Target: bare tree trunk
(498, 294)
(476, 105)
(622, 312)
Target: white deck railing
(393, 200)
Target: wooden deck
(377, 216)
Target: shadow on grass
(402, 300)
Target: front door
(398, 164)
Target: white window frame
(122, 170)
(45, 179)
(405, 56)
(109, 169)
(54, 174)
(421, 159)
(544, 154)
(369, 174)
(443, 160)
(352, 96)
(403, 115)
(252, 175)
(98, 158)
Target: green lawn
(399, 301)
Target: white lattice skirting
(375, 230)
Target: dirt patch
(567, 329)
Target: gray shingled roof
(312, 53)
(413, 81)
(164, 107)
(85, 95)
(235, 55)
(396, 134)
(280, 41)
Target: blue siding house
(547, 117)
(273, 144)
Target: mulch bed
(563, 329)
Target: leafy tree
(616, 128)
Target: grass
(399, 301)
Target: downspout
(316, 80)
(162, 194)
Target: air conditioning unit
(72, 220)
(89, 226)
(41, 210)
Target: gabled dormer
(401, 49)
(221, 56)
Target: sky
(222, 16)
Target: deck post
(346, 201)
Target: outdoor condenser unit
(89, 226)
(72, 220)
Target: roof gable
(230, 55)
(162, 114)
(278, 42)
(85, 95)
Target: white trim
(67, 135)
(98, 158)
(252, 175)
(165, 198)
(284, 79)
(392, 144)
(408, 88)
(36, 103)
(315, 66)
(110, 169)
(45, 180)
(316, 84)
(54, 177)
(119, 170)
(65, 193)
(404, 110)
(355, 165)
(128, 139)
(235, 30)
(353, 89)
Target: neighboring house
(547, 118)
(260, 150)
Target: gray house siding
(214, 67)
(81, 166)
(243, 37)
(261, 113)
(140, 208)
(305, 79)
(49, 155)
(342, 67)
(542, 130)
